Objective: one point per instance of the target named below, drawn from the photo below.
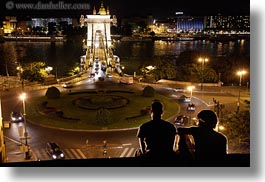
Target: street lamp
(190, 88)
(202, 60)
(20, 71)
(241, 73)
(48, 69)
(23, 97)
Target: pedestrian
(210, 145)
(157, 136)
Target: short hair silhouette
(157, 107)
(207, 118)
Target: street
(94, 144)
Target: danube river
(65, 55)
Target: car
(109, 75)
(180, 90)
(67, 85)
(54, 151)
(16, 116)
(92, 75)
(181, 120)
(191, 107)
(185, 98)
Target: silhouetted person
(210, 146)
(157, 137)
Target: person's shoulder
(166, 121)
(221, 135)
(169, 124)
(145, 124)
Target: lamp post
(23, 97)
(241, 73)
(202, 60)
(20, 70)
(190, 88)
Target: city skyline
(123, 9)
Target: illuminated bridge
(99, 59)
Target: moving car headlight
(62, 155)
(54, 156)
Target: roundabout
(101, 102)
(92, 110)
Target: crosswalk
(76, 153)
(128, 152)
(69, 154)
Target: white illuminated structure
(98, 26)
(98, 43)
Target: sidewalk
(13, 152)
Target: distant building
(43, 22)
(189, 24)
(227, 23)
(9, 24)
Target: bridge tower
(98, 23)
(98, 42)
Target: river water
(64, 55)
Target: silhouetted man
(157, 137)
(210, 146)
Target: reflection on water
(132, 54)
(59, 54)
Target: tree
(161, 68)
(34, 71)
(103, 117)
(206, 74)
(149, 91)
(237, 129)
(52, 93)
(152, 34)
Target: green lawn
(78, 118)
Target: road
(86, 144)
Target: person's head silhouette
(157, 109)
(207, 118)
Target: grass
(86, 119)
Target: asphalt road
(87, 144)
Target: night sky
(126, 8)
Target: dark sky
(125, 8)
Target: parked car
(16, 116)
(191, 107)
(181, 120)
(54, 151)
(67, 85)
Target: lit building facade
(9, 24)
(189, 24)
(221, 23)
(43, 22)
